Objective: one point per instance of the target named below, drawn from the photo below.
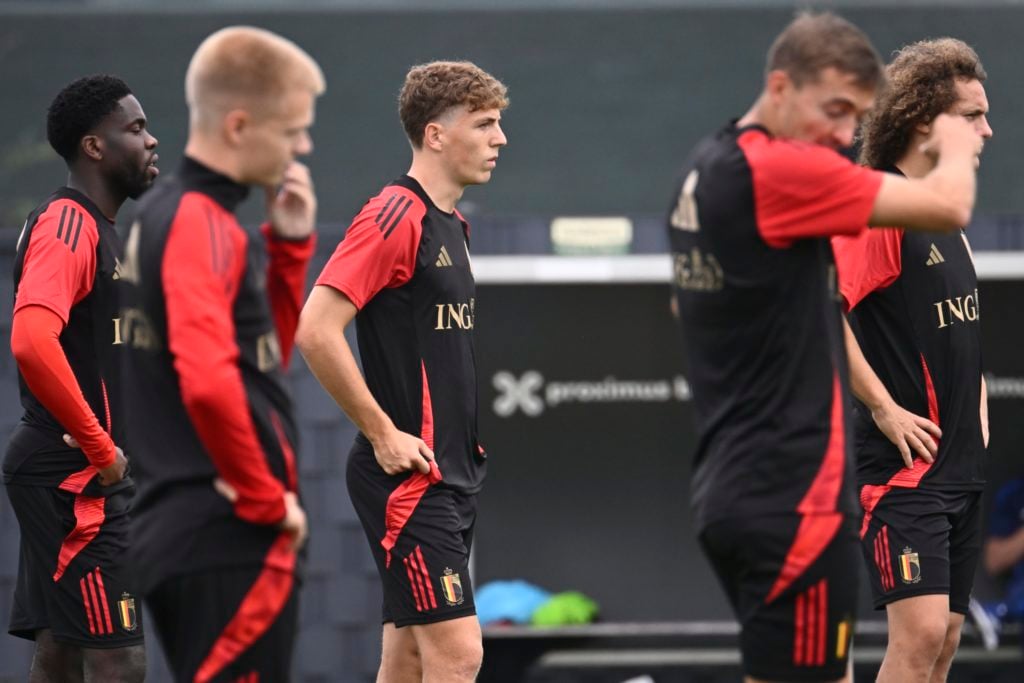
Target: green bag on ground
(565, 609)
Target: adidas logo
(934, 257)
(443, 259)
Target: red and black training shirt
(913, 305)
(405, 265)
(65, 327)
(209, 325)
(754, 281)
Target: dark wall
(604, 103)
(591, 491)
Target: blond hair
(432, 89)
(246, 67)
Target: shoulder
(392, 207)
(786, 155)
(66, 219)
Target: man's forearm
(864, 383)
(331, 361)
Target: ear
(924, 128)
(235, 125)
(433, 136)
(92, 147)
(777, 83)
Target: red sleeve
(60, 261)
(286, 283)
(379, 248)
(867, 262)
(35, 343)
(203, 263)
(804, 191)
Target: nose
(151, 141)
(984, 129)
(304, 144)
(500, 140)
(844, 133)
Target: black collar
(87, 203)
(221, 188)
(410, 183)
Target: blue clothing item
(513, 601)
(1007, 518)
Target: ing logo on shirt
(455, 316)
(134, 328)
(962, 308)
(697, 271)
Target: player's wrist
(277, 234)
(379, 430)
(103, 458)
(270, 512)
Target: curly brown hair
(922, 84)
(432, 89)
(813, 42)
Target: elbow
(21, 351)
(962, 217)
(307, 336)
(951, 217)
(23, 347)
(203, 398)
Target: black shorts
(420, 535)
(230, 624)
(923, 542)
(792, 582)
(73, 577)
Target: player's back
(763, 339)
(186, 224)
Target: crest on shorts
(451, 586)
(910, 566)
(126, 610)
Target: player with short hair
(403, 273)
(209, 320)
(915, 367)
(64, 469)
(754, 286)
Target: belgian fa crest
(451, 587)
(910, 566)
(126, 610)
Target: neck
(439, 186)
(915, 164)
(759, 114)
(213, 155)
(99, 192)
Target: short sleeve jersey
(405, 265)
(754, 281)
(913, 303)
(67, 262)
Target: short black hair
(78, 108)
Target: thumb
(70, 441)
